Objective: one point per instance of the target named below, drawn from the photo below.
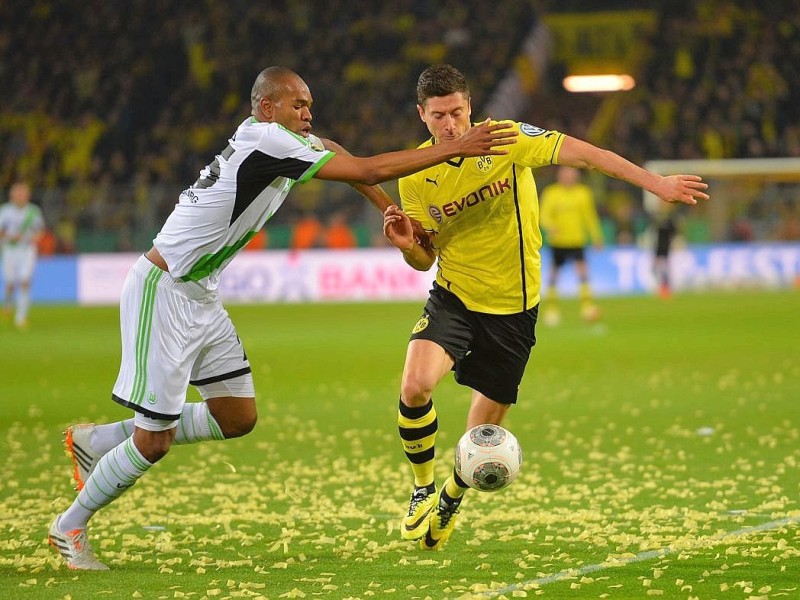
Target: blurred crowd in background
(109, 109)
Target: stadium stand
(110, 112)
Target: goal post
(752, 199)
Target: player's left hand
(687, 189)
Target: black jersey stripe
(257, 172)
(521, 241)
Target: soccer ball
(488, 458)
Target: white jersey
(25, 221)
(233, 198)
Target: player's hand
(687, 189)
(397, 228)
(422, 237)
(484, 139)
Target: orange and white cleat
(74, 548)
(84, 459)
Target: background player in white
(175, 331)
(21, 226)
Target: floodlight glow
(598, 83)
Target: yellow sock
(418, 427)
(585, 292)
(453, 486)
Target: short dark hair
(440, 80)
(268, 83)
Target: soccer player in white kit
(175, 331)
(21, 226)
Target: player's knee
(415, 392)
(236, 416)
(153, 445)
(157, 452)
(239, 425)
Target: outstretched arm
(397, 229)
(480, 140)
(673, 188)
(378, 196)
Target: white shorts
(174, 334)
(19, 261)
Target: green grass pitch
(661, 458)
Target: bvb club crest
(484, 164)
(421, 324)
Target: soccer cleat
(590, 312)
(441, 524)
(84, 459)
(551, 316)
(419, 509)
(74, 548)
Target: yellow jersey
(568, 216)
(485, 214)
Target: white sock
(23, 304)
(196, 424)
(108, 436)
(116, 471)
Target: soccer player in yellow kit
(569, 218)
(483, 217)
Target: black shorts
(490, 351)
(663, 241)
(561, 256)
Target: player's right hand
(487, 138)
(397, 228)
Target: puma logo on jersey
(433, 181)
(483, 193)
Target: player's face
(447, 117)
(292, 108)
(20, 194)
(568, 176)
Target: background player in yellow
(569, 220)
(483, 217)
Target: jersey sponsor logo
(423, 322)
(531, 130)
(434, 212)
(484, 164)
(483, 193)
(190, 195)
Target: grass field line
(642, 556)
